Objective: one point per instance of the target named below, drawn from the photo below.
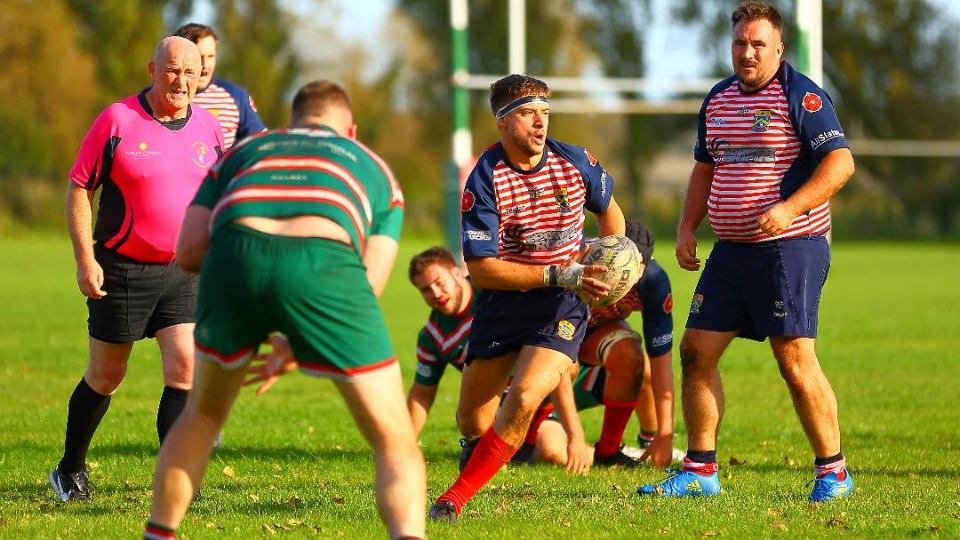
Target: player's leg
(88, 404)
(481, 387)
(812, 395)
(702, 389)
(187, 447)
(171, 322)
(797, 270)
(177, 355)
(378, 406)
(703, 404)
(537, 373)
(816, 406)
(620, 349)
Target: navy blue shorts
(762, 289)
(505, 321)
(141, 299)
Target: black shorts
(141, 299)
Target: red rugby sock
(538, 417)
(616, 415)
(488, 458)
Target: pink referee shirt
(147, 172)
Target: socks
(489, 456)
(158, 532)
(833, 464)
(172, 402)
(85, 411)
(703, 469)
(616, 415)
(644, 438)
(539, 416)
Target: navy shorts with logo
(505, 321)
(762, 289)
(141, 299)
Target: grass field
(294, 465)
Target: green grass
(294, 465)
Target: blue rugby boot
(831, 486)
(683, 484)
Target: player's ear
(457, 273)
(352, 131)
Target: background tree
(255, 51)
(52, 87)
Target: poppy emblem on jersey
(812, 102)
(467, 200)
(563, 203)
(668, 304)
(696, 303)
(200, 158)
(590, 158)
(761, 120)
(565, 330)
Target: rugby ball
(624, 266)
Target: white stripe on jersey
(753, 144)
(221, 104)
(541, 213)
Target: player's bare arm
(379, 258)
(830, 175)
(579, 454)
(419, 402)
(611, 220)
(194, 239)
(492, 273)
(694, 212)
(79, 211)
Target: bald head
(325, 103)
(175, 72)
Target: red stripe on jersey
(220, 103)
(541, 213)
(755, 144)
(297, 194)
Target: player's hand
(579, 277)
(776, 219)
(660, 451)
(579, 456)
(266, 368)
(687, 251)
(90, 279)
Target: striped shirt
(532, 217)
(442, 342)
(234, 108)
(763, 146)
(305, 171)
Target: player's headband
(509, 107)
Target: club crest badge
(563, 203)
(566, 329)
(761, 120)
(696, 303)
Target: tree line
(891, 66)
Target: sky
(682, 62)
(363, 20)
